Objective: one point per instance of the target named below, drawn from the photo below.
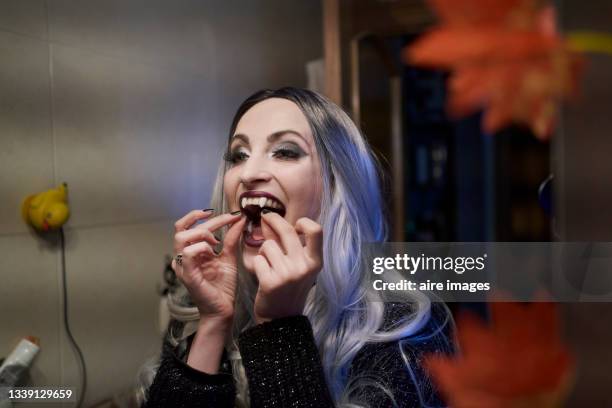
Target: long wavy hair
(344, 313)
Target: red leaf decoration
(505, 56)
(517, 361)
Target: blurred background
(130, 102)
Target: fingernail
(265, 211)
(208, 209)
(236, 212)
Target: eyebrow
(271, 138)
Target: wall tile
(24, 17)
(173, 34)
(133, 142)
(113, 274)
(30, 302)
(263, 44)
(26, 143)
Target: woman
(282, 314)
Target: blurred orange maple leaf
(517, 361)
(504, 56)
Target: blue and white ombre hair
(345, 314)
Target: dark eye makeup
(288, 151)
(234, 156)
(285, 151)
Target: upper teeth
(259, 201)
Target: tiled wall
(129, 102)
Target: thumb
(232, 236)
(268, 232)
(262, 268)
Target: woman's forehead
(273, 115)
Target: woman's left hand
(286, 269)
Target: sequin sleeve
(283, 366)
(391, 374)
(176, 384)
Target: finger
(268, 233)
(191, 218)
(183, 239)
(221, 220)
(285, 231)
(274, 255)
(192, 255)
(262, 270)
(313, 236)
(232, 236)
(178, 269)
(187, 273)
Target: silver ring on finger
(179, 259)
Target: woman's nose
(253, 171)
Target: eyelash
(286, 154)
(234, 157)
(237, 156)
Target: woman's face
(274, 163)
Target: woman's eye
(235, 156)
(286, 153)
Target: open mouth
(251, 205)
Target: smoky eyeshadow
(290, 146)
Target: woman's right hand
(209, 278)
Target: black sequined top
(283, 368)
